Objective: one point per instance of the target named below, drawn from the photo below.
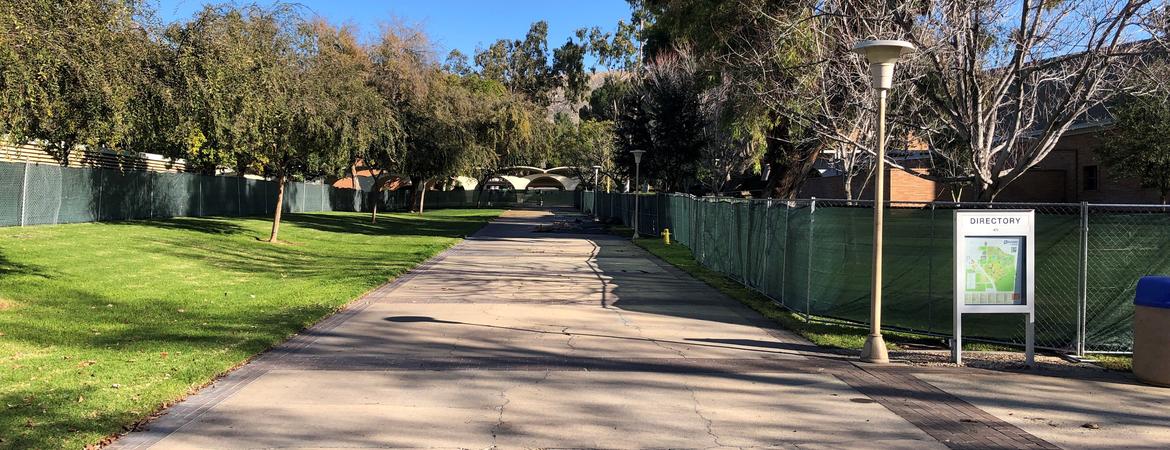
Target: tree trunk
(415, 182)
(789, 163)
(422, 198)
(480, 189)
(374, 191)
(280, 182)
(985, 192)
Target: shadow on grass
(206, 225)
(9, 267)
(437, 225)
(397, 224)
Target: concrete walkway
(519, 339)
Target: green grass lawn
(102, 324)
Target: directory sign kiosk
(994, 256)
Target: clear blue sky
(461, 24)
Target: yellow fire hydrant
(666, 236)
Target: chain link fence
(814, 256)
(45, 194)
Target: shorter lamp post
(882, 56)
(717, 185)
(637, 185)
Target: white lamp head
(596, 167)
(637, 156)
(882, 55)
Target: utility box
(1151, 331)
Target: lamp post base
(874, 350)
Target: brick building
(1071, 173)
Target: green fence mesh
(814, 257)
(40, 194)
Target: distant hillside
(560, 104)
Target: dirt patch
(6, 304)
(1006, 361)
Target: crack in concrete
(572, 336)
(499, 426)
(642, 335)
(708, 422)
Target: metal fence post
(97, 215)
(150, 191)
(762, 279)
(657, 214)
(239, 197)
(694, 226)
(199, 195)
(1082, 281)
(930, 273)
(812, 220)
(23, 193)
(784, 258)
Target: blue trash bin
(1151, 330)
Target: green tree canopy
(265, 91)
(1137, 146)
(70, 72)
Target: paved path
(518, 339)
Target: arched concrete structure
(519, 177)
(518, 183)
(567, 183)
(545, 182)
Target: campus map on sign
(993, 270)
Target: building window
(1089, 178)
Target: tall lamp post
(882, 55)
(596, 180)
(637, 185)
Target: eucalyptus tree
(619, 49)
(70, 75)
(527, 68)
(521, 65)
